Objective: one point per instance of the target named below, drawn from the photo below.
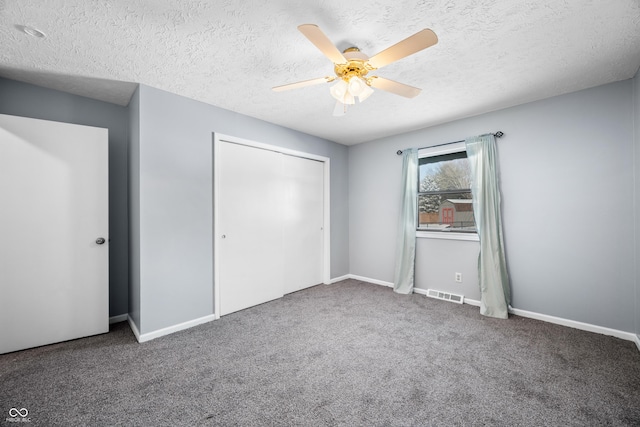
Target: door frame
(326, 241)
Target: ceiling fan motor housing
(356, 65)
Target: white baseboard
(574, 324)
(118, 319)
(370, 280)
(629, 336)
(170, 329)
(419, 291)
(362, 279)
(338, 279)
(473, 302)
(134, 328)
(390, 285)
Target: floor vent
(446, 296)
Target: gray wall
(134, 208)
(636, 135)
(22, 99)
(441, 276)
(567, 182)
(175, 168)
(574, 152)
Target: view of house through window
(444, 195)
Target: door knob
(100, 240)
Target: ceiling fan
(352, 67)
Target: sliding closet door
(250, 209)
(54, 277)
(303, 222)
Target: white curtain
(406, 240)
(495, 294)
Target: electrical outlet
(459, 277)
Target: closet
(269, 223)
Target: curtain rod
(498, 134)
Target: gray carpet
(349, 354)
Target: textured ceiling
(491, 54)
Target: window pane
(446, 212)
(444, 199)
(442, 173)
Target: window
(444, 194)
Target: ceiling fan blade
(303, 84)
(394, 87)
(322, 42)
(415, 43)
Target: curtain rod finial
(499, 134)
(399, 152)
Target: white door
(250, 205)
(303, 222)
(53, 206)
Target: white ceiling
(491, 54)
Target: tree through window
(444, 194)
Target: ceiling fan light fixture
(365, 93)
(348, 99)
(346, 91)
(339, 90)
(356, 86)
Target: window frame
(456, 147)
